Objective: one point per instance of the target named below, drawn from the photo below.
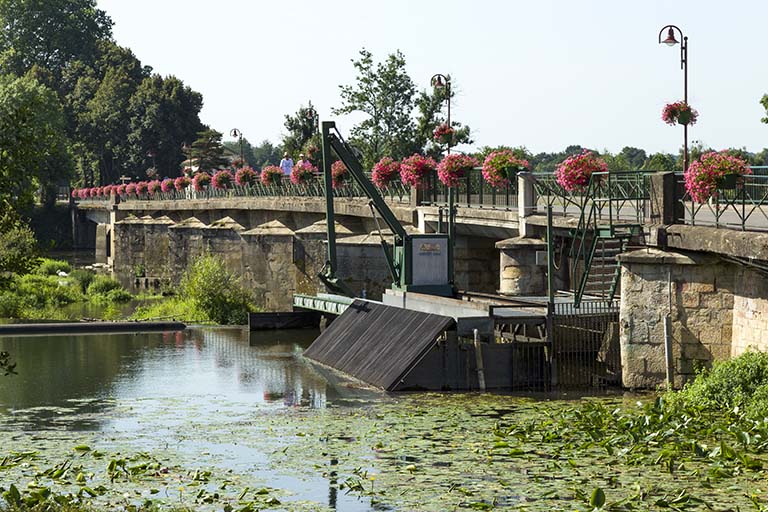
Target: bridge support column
(519, 272)
(663, 206)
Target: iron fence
(472, 192)
(741, 204)
(585, 344)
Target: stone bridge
(705, 266)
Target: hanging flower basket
(679, 113)
(167, 185)
(222, 180)
(245, 177)
(201, 181)
(713, 171)
(130, 189)
(384, 171)
(303, 173)
(120, 189)
(502, 166)
(271, 175)
(339, 174)
(575, 171)
(154, 186)
(415, 169)
(141, 188)
(443, 134)
(181, 183)
(454, 167)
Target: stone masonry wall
(750, 312)
(702, 300)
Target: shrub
(384, 171)
(217, 292)
(102, 284)
(49, 267)
(18, 248)
(11, 305)
(39, 291)
(82, 277)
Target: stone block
(690, 299)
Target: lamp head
(438, 83)
(670, 40)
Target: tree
(385, 94)
(660, 162)
(18, 247)
(31, 139)
(50, 33)
(302, 130)
(429, 117)
(634, 157)
(266, 154)
(764, 103)
(164, 116)
(519, 152)
(207, 151)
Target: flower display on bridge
(443, 134)
(222, 179)
(454, 167)
(166, 185)
(246, 177)
(415, 169)
(181, 183)
(130, 189)
(499, 167)
(575, 171)
(141, 188)
(271, 175)
(679, 112)
(385, 171)
(201, 181)
(154, 187)
(339, 174)
(302, 173)
(121, 189)
(94, 191)
(704, 176)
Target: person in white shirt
(286, 164)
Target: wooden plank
(378, 344)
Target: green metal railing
(743, 206)
(473, 192)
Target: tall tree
(660, 162)
(32, 139)
(429, 116)
(50, 33)
(207, 151)
(764, 103)
(634, 157)
(266, 154)
(163, 119)
(385, 94)
(302, 130)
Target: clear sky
(540, 73)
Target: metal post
(451, 201)
(550, 324)
(328, 183)
(684, 57)
(479, 361)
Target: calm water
(147, 390)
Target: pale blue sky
(544, 73)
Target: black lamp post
(234, 132)
(440, 81)
(671, 40)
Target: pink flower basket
(384, 171)
(302, 173)
(201, 181)
(245, 177)
(167, 185)
(575, 171)
(339, 174)
(154, 187)
(130, 189)
(222, 180)
(181, 183)
(271, 175)
(120, 189)
(141, 188)
(704, 176)
(502, 166)
(679, 113)
(454, 167)
(414, 170)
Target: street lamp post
(671, 40)
(440, 81)
(234, 132)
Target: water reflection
(67, 381)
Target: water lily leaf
(597, 500)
